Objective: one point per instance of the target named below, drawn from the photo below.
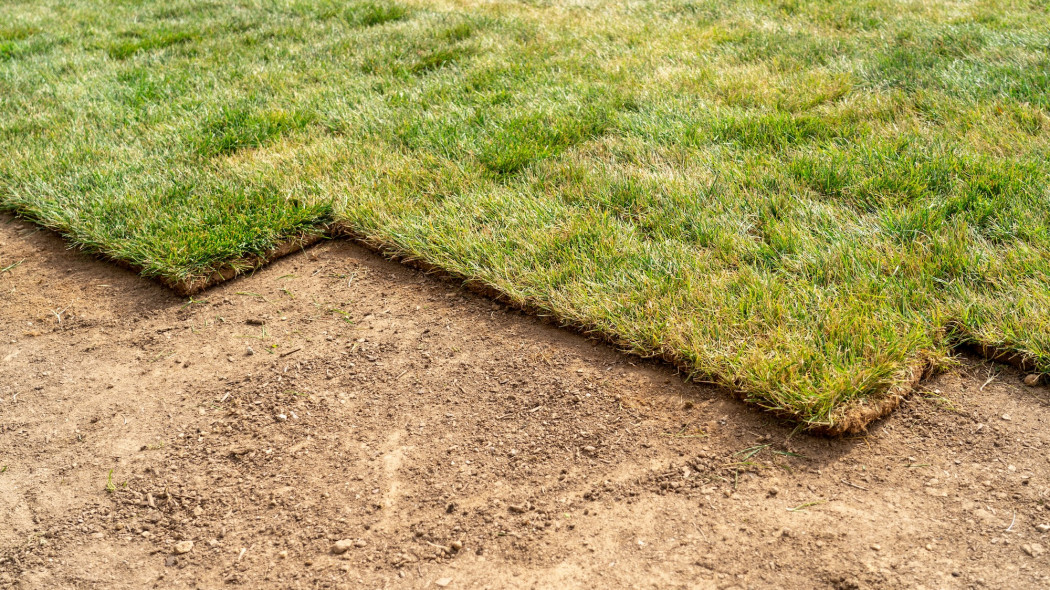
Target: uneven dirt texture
(336, 420)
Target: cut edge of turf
(188, 287)
(228, 271)
(852, 419)
(967, 342)
(241, 266)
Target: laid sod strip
(811, 202)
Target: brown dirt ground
(334, 395)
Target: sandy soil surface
(450, 442)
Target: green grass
(805, 200)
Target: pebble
(1006, 417)
(342, 546)
(183, 547)
(1043, 528)
(443, 582)
(283, 555)
(1031, 380)
(281, 417)
(1034, 550)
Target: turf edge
(853, 420)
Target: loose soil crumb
(337, 420)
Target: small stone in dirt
(1035, 549)
(280, 417)
(1006, 417)
(456, 545)
(249, 352)
(443, 582)
(1043, 528)
(516, 508)
(255, 322)
(1031, 380)
(360, 543)
(170, 560)
(342, 546)
(183, 547)
(283, 555)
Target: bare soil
(336, 396)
